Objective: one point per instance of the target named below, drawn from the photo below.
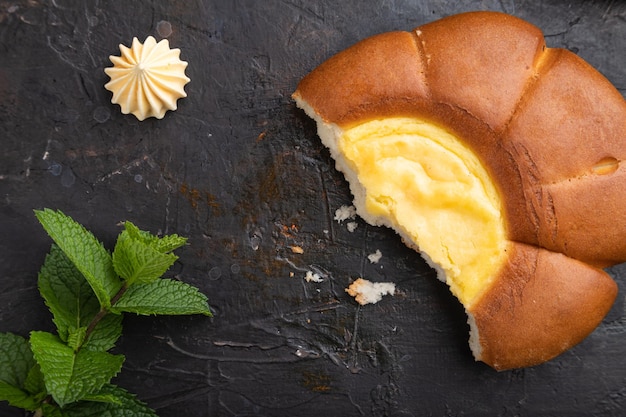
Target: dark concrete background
(240, 171)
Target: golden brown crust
(387, 82)
(589, 218)
(570, 121)
(504, 48)
(535, 311)
(551, 132)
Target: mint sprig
(87, 254)
(88, 289)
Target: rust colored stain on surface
(316, 381)
(197, 198)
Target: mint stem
(103, 312)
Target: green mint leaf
(103, 398)
(105, 334)
(16, 363)
(17, 397)
(125, 405)
(168, 243)
(164, 296)
(85, 251)
(137, 262)
(163, 245)
(73, 303)
(34, 383)
(70, 376)
(51, 410)
(16, 359)
(76, 337)
(65, 291)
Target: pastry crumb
(313, 277)
(297, 249)
(375, 257)
(344, 213)
(367, 292)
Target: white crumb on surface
(375, 257)
(351, 226)
(313, 277)
(344, 213)
(367, 292)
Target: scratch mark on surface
(507, 7)
(132, 164)
(329, 216)
(220, 358)
(46, 153)
(62, 57)
(247, 345)
(23, 175)
(354, 367)
(608, 10)
(87, 45)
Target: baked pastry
(147, 79)
(497, 158)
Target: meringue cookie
(147, 79)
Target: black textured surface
(241, 172)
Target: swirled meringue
(147, 79)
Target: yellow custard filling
(436, 192)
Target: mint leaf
(126, 405)
(73, 304)
(163, 244)
(34, 382)
(138, 262)
(105, 334)
(70, 376)
(30, 396)
(164, 296)
(17, 397)
(67, 294)
(168, 243)
(16, 359)
(51, 410)
(16, 362)
(85, 251)
(76, 338)
(103, 398)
